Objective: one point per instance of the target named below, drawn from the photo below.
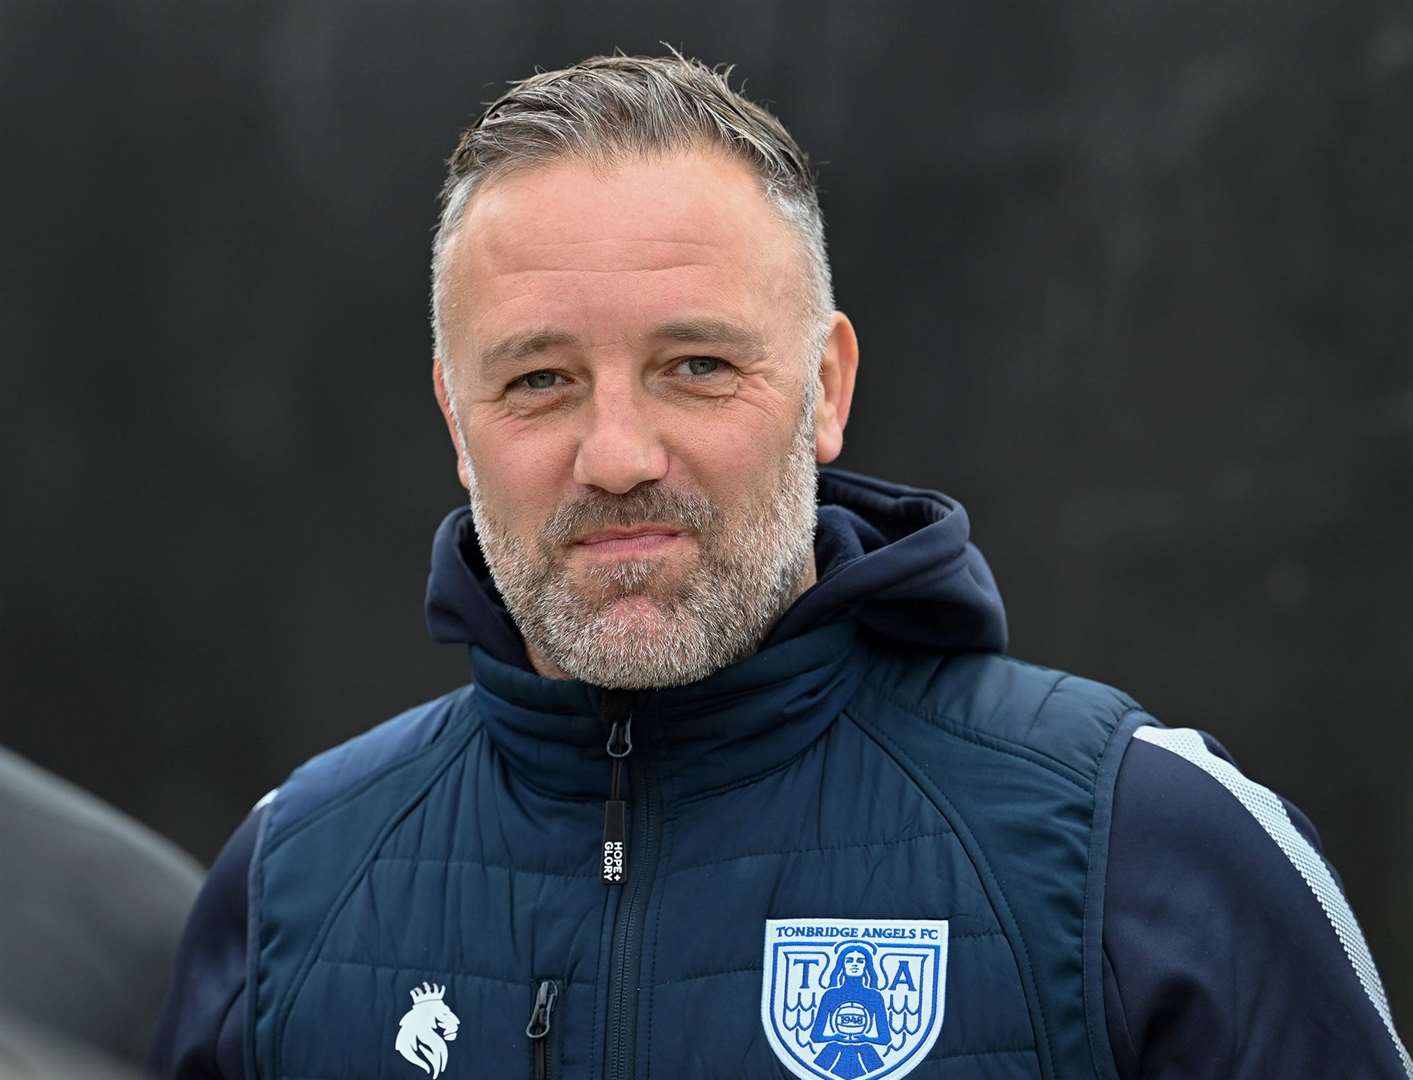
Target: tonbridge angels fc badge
(846, 998)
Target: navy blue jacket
(1224, 949)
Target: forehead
(657, 237)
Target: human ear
(444, 402)
(837, 369)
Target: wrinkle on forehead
(570, 242)
(580, 269)
(510, 247)
(698, 200)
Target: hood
(895, 560)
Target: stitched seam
(950, 725)
(482, 863)
(874, 845)
(678, 870)
(522, 777)
(667, 823)
(320, 812)
(988, 1053)
(975, 934)
(598, 1051)
(707, 975)
(458, 973)
(746, 781)
(1045, 701)
(1096, 1025)
(753, 778)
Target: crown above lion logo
(427, 992)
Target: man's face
(629, 366)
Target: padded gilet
(971, 788)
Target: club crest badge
(847, 998)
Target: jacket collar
(743, 721)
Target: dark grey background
(1132, 281)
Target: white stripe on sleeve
(1270, 813)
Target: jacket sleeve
(200, 1035)
(1229, 948)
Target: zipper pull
(539, 1026)
(614, 865)
(545, 997)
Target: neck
(550, 670)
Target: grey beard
(747, 573)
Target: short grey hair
(607, 108)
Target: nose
(621, 447)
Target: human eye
(700, 367)
(537, 380)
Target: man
(744, 786)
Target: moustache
(644, 504)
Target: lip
(636, 539)
(603, 536)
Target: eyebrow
(519, 346)
(708, 331)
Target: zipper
(621, 1038)
(538, 1029)
(614, 862)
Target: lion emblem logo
(417, 1032)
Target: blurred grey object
(91, 909)
(31, 1052)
